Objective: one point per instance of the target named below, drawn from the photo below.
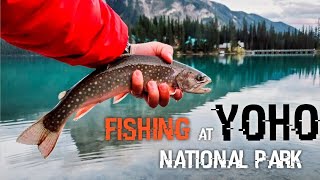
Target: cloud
(271, 15)
(293, 12)
(298, 12)
(299, 8)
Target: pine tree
(198, 36)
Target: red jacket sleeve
(77, 32)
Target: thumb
(165, 51)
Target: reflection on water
(29, 89)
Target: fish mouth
(202, 89)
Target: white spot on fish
(95, 82)
(89, 89)
(77, 100)
(80, 92)
(68, 105)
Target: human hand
(157, 94)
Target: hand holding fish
(91, 36)
(105, 83)
(157, 94)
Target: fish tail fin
(37, 134)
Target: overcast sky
(292, 12)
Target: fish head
(193, 81)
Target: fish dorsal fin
(119, 97)
(83, 111)
(62, 94)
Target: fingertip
(164, 95)
(152, 85)
(153, 94)
(178, 95)
(169, 58)
(163, 86)
(151, 104)
(137, 82)
(137, 73)
(167, 53)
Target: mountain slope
(203, 10)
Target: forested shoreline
(195, 36)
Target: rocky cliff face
(203, 10)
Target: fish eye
(200, 77)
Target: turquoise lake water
(30, 86)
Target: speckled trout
(110, 81)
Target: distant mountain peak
(203, 10)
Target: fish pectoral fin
(83, 111)
(62, 94)
(119, 97)
(172, 91)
